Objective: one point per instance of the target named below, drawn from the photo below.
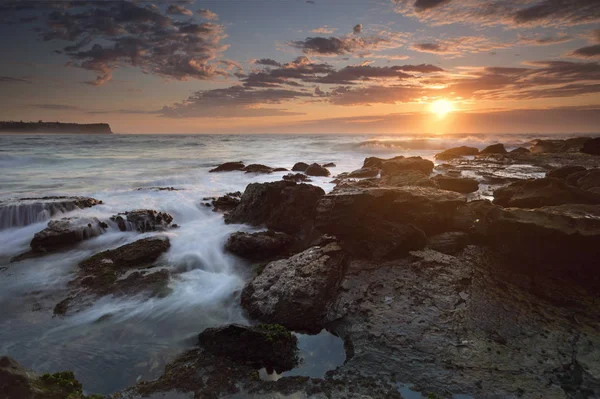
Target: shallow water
(118, 341)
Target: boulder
(227, 202)
(282, 205)
(449, 243)
(228, 167)
(24, 211)
(591, 146)
(494, 149)
(547, 191)
(270, 346)
(258, 168)
(559, 146)
(586, 180)
(280, 170)
(456, 152)
(316, 170)
(564, 171)
(463, 185)
(364, 172)
(296, 177)
(520, 150)
(373, 162)
(66, 232)
(408, 178)
(398, 165)
(299, 167)
(329, 165)
(469, 217)
(258, 246)
(143, 220)
(296, 292)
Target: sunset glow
(442, 107)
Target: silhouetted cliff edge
(54, 127)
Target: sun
(441, 107)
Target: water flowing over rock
(463, 185)
(24, 211)
(494, 149)
(282, 205)
(547, 191)
(300, 167)
(399, 164)
(316, 170)
(143, 220)
(228, 167)
(456, 152)
(295, 292)
(66, 232)
(258, 246)
(592, 146)
(226, 203)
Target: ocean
(118, 341)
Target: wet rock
(456, 152)
(449, 243)
(586, 180)
(267, 345)
(564, 171)
(258, 168)
(408, 178)
(591, 146)
(364, 172)
(296, 177)
(547, 191)
(463, 185)
(227, 202)
(494, 149)
(329, 165)
(280, 170)
(520, 150)
(470, 217)
(400, 164)
(258, 246)
(295, 292)
(282, 205)
(373, 162)
(299, 167)
(25, 211)
(316, 170)
(559, 146)
(143, 220)
(228, 167)
(65, 232)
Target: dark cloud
(176, 9)
(357, 29)
(458, 46)
(341, 45)
(587, 52)
(9, 79)
(267, 62)
(310, 2)
(544, 40)
(421, 5)
(354, 74)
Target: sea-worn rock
(396, 165)
(24, 211)
(463, 185)
(407, 178)
(270, 346)
(227, 202)
(329, 165)
(143, 220)
(258, 168)
(282, 205)
(456, 152)
(258, 246)
(316, 170)
(591, 146)
(559, 146)
(66, 232)
(295, 292)
(519, 150)
(296, 177)
(546, 191)
(228, 167)
(586, 180)
(300, 167)
(494, 149)
(564, 171)
(280, 169)
(373, 162)
(364, 172)
(449, 243)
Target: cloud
(458, 46)
(324, 30)
(207, 14)
(421, 5)
(310, 2)
(267, 62)
(354, 74)
(55, 107)
(357, 29)
(587, 52)
(331, 46)
(176, 9)
(9, 79)
(544, 40)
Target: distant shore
(54, 128)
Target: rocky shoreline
(469, 277)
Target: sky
(304, 66)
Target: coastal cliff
(54, 127)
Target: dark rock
(299, 167)
(463, 185)
(494, 149)
(316, 170)
(24, 211)
(564, 171)
(469, 217)
(408, 178)
(396, 165)
(547, 191)
(143, 220)
(280, 170)
(295, 292)
(227, 202)
(456, 152)
(373, 162)
(258, 246)
(296, 177)
(64, 233)
(266, 345)
(329, 165)
(449, 243)
(257, 168)
(586, 180)
(559, 146)
(364, 172)
(228, 167)
(591, 146)
(282, 205)
(520, 150)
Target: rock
(295, 292)
(25, 211)
(280, 170)
(396, 165)
(564, 171)
(408, 178)
(257, 168)
(520, 150)
(469, 217)
(364, 172)
(494, 149)
(267, 345)
(586, 180)
(296, 177)
(143, 220)
(546, 191)
(559, 146)
(449, 243)
(373, 162)
(258, 246)
(228, 167)
(456, 152)
(65, 232)
(463, 185)
(282, 205)
(329, 165)
(299, 167)
(316, 170)
(227, 202)
(591, 146)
